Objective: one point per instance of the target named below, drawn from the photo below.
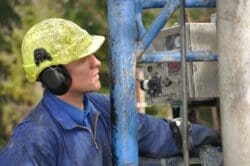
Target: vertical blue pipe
(121, 19)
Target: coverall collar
(67, 115)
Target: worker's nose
(94, 61)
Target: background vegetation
(17, 96)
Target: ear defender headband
(54, 78)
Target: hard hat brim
(97, 42)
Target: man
(71, 125)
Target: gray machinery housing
(164, 79)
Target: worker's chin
(97, 87)
(94, 86)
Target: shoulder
(36, 131)
(97, 99)
(39, 117)
(98, 96)
(30, 143)
(33, 132)
(37, 126)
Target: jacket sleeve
(156, 138)
(27, 147)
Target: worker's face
(85, 74)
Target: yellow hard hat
(63, 40)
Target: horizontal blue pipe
(175, 56)
(146, 4)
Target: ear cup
(56, 79)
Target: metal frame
(184, 106)
(122, 43)
(128, 40)
(175, 56)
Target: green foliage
(8, 15)
(8, 18)
(192, 15)
(4, 44)
(161, 111)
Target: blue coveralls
(53, 135)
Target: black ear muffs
(56, 79)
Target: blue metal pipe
(140, 27)
(169, 7)
(122, 37)
(141, 30)
(156, 27)
(175, 56)
(146, 4)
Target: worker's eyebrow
(84, 59)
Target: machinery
(132, 44)
(162, 81)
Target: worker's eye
(83, 60)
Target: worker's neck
(75, 99)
